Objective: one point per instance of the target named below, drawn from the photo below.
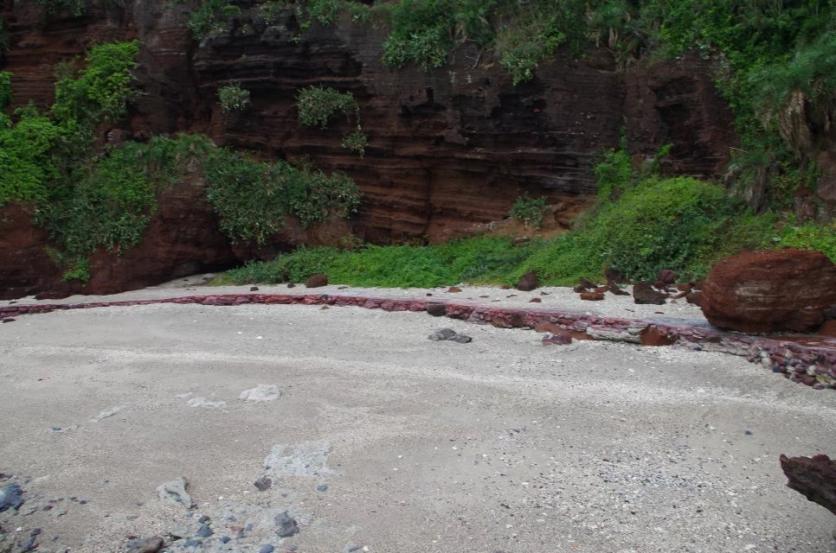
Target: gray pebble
(266, 548)
(322, 488)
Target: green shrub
(254, 198)
(5, 89)
(212, 17)
(233, 98)
(529, 211)
(356, 141)
(25, 158)
(79, 270)
(613, 174)
(317, 105)
(100, 92)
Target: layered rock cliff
(448, 148)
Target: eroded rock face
(770, 291)
(25, 265)
(814, 478)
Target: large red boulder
(814, 477)
(770, 291)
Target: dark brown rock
(617, 290)
(694, 298)
(652, 335)
(643, 293)
(665, 278)
(317, 280)
(25, 265)
(814, 478)
(592, 296)
(454, 290)
(528, 282)
(560, 338)
(770, 291)
(436, 309)
(535, 300)
(827, 329)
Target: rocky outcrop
(449, 151)
(770, 291)
(25, 265)
(814, 478)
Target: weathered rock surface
(643, 293)
(770, 291)
(815, 478)
(25, 265)
(449, 149)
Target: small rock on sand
(262, 392)
(175, 492)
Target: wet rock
(147, 545)
(436, 309)
(286, 526)
(11, 497)
(317, 280)
(814, 478)
(769, 291)
(264, 483)
(655, 336)
(528, 282)
(262, 392)
(592, 296)
(175, 492)
(643, 293)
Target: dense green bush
(233, 98)
(101, 91)
(211, 17)
(317, 105)
(5, 89)
(529, 211)
(254, 198)
(25, 157)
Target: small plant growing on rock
(318, 105)
(529, 211)
(233, 97)
(356, 141)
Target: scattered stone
(266, 548)
(147, 545)
(107, 413)
(11, 497)
(617, 290)
(535, 300)
(814, 478)
(291, 285)
(436, 309)
(262, 392)
(175, 492)
(528, 282)
(654, 336)
(317, 280)
(352, 548)
(204, 531)
(205, 403)
(253, 288)
(264, 483)
(665, 278)
(204, 519)
(694, 298)
(225, 539)
(448, 334)
(643, 293)
(592, 296)
(322, 488)
(454, 290)
(560, 338)
(687, 287)
(770, 291)
(442, 334)
(9, 320)
(304, 459)
(286, 525)
(31, 542)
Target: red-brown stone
(592, 296)
(652, 335)
(814, 478)
(770, 291)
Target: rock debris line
(813, 363)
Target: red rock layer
(770, 291)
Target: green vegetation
(212, 17)
(233, 98)
(254, 198)
(318, 105)
(5, 89)
(529, 211)
(651, 223)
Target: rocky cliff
(448, 148)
